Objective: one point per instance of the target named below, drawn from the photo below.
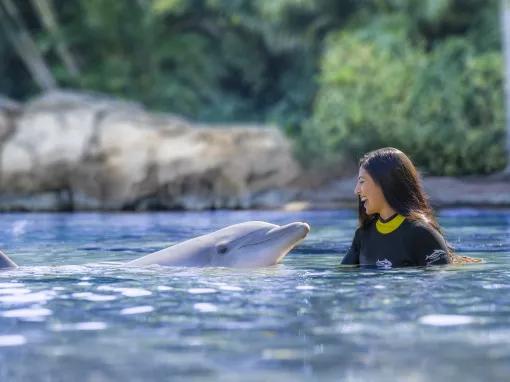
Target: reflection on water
(72, 312)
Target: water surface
(70, 313)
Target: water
(71, 314)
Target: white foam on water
(11, 285)
(446, 320)
(28, 297)
(134, 292)
(201, 290)
(12, 340)
(27, 313)
(205, 307)
(14, 291)
(86, 326)
(496, 286)
(137, 310)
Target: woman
(396, 224)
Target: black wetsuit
(411, 243)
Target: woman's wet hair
(401, 185)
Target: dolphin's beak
(274, 245)
(292, 235)
(306, 227)
(298, 230)
(302, 228)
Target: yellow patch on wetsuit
(390, 226)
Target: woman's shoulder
(428, 245)
(418, 225)
(420, 228)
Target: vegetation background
(341, 77)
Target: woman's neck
(386, 213)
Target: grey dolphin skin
(245, 245)
(5, 262)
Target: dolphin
(244, 245)
(6, 262)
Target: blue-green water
(69, 315)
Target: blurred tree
(21, 40)
(433, 63)
(440, 102)
(213, 60)
(46, 13)
(505, 29)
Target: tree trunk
(25, 46)
(46, 13)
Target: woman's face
(370, 193)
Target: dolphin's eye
(221, 249)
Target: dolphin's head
(252, 244)
(244, 245)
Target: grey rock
(109, 154)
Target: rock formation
(78, 151)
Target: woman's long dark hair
(401, 185)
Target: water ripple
(73, 312)
(27, 313)
(137, 310)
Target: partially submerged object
(245, 245)
(6, 262)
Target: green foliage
(340, 76)
(444, 107)
(213, 60)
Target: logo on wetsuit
(383, 264)
(438, 254)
